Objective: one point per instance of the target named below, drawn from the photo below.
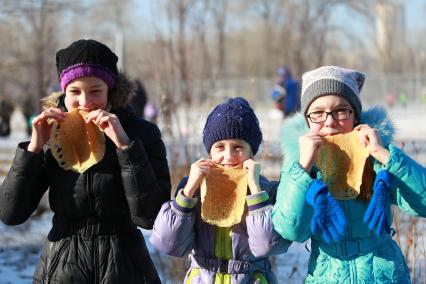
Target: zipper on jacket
(348, 227)
(91, 196)
(55, 261)
(223, 243)
(352, 264)
(223, 251)
(94, 239)
(95, 247)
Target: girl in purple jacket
(237, 254)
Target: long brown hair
(368, 177)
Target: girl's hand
(41, 129)
(111, 126)
(369, 138)
(199, 169)
(253, 174)
(308, 147)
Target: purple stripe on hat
(86, 69)
(259, 205)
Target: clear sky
(415, 11)
(357, 26)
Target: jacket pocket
(324, 269)
(54, 253)
(389, 265)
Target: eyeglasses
(337, 114)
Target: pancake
(76, 145)
(342, 160)
(223, 194)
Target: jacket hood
(117, 96)
(293, 128)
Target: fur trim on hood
(296, 126)
(117, 96)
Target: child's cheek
(315, 127)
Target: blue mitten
(376, 215)
(328, 216)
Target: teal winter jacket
(362, 256)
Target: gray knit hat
(328, 80)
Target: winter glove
(376, 215)
(328, 216)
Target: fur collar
(296, 126)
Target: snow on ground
(20, 246)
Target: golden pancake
(223, 194)
(342, 159)
(76, 145)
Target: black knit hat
(86, 58)
(234, 119)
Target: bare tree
(114, 16)
(35, 52)
(220, 11)
(200, 17)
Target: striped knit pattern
(259, 200)
(183, 203)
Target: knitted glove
(328, 216)
(376, 215)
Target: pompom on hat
(86, 58)
(234, 119)
(332, 80)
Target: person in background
(351, 239)
(237, 254)
(286, 92)
(141, 105)
(150, 112)
(139, 99)
(94, 236)
(6, 110)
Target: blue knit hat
(234, 119)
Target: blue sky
(415, 14)
(359, 27)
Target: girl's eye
(74, 91)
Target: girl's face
(230, 152)
(341, 120)
(87, 94)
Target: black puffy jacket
(94, 238)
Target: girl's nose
(227, 154)
(83, 100)
(330, 121)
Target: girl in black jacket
(94, 238)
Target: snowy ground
(20, 245)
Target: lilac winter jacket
(231, 255)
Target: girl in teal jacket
(350, 239)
